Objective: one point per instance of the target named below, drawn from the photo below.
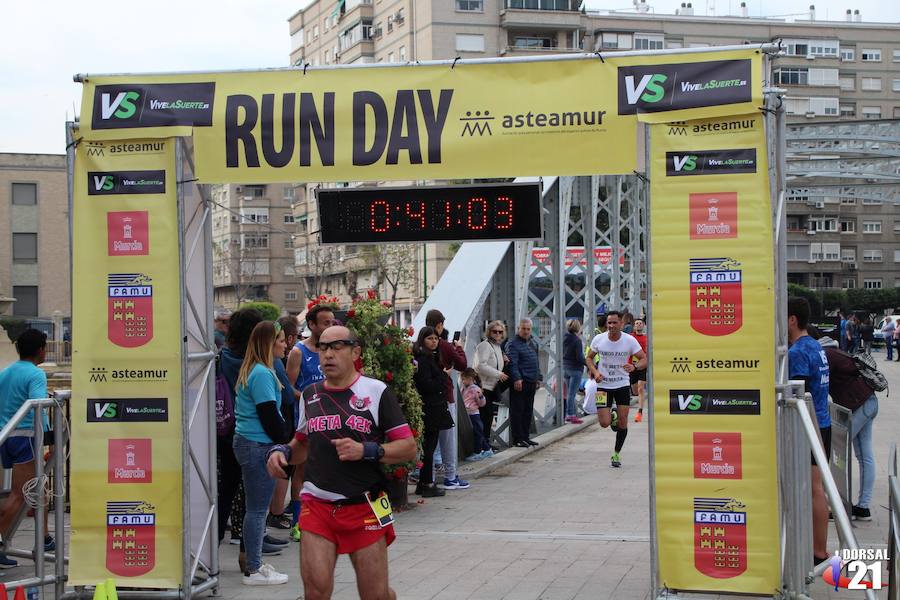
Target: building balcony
(356, 51)
(537, 50)
(540, 19)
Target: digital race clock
(504, 211)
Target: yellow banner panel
(126, 469)
(712, 349)
(567, 117)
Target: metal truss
(875, 193)
(886, 169)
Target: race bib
(601, 399)
(381, 508)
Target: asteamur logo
(658, 88)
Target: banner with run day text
(712, 355)
(412, 122)
(126, 473)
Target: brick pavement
(542, 527)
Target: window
(896, 255)
(290, 295)
(792, 76)
(468, 42)
(355, 34)
(848, 110)
(847, 83)
(402, 53)
(895, 85)
(297, 39)
(896, 55)
(871, 226)
(848, 255)
(327, 59)
(848, 54)
(797, 47)
(254, 241)
(533, 42)
(811, 106)
(26, 304)
(793, 224)
(826, 49)
(871, 201)
(254, 191)
(391, 57)
(290, 271)
(873, 255)
(255, 215)
(315, 32)
(648, 41)
(798, 252)
(299, 256)
(872, 284)
(825, 251)
(288, 219)
(823, 224)
(848, 201)
(871, 112)
(25, 247)
(896, 226)
(821, 280)
(288, 194)
(849, 284)
(870, 55)
(288, 243)
(24, 194)
(871, 84)
(613, 41)
(251, 267)
(470, 5)
(848, 226)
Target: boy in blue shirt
(22, 381)
(807, 361)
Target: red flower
(386, 303)
(389, 377)
(411, 331)
(371, 294)
(334, 299)
(309, 305)
(351, 313)
(322, 297)
(386, 341)
(415, 433)
(400, 473)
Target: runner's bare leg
(371, 566)
(317, 558)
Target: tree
(395, 266)
(238, 267)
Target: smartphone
(456, 336)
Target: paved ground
(541, 528)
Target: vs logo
(104, 183)
(122, 106)
(648, 89)
(686, 162)
(106, 411)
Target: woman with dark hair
(431, 382)
(259, 426)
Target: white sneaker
(266, 575)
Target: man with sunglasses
(348, 426)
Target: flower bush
(387, 355)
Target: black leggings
(229, 482)
(426, 473)
(489, 411)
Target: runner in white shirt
(610, 382)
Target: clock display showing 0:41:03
(487, 212)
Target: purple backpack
(224, 404)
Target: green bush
(269, 311)
(14, 327)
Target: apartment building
(34, 236)
(838, 70)
(253, 246)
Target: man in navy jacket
(526, 376)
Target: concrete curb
(511, 455)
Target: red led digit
(447, 214)
(379, 223)
(479, 222)
(417, 214)
(504, 212)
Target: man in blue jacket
(526, 376)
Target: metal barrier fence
(55, 464)
(59, 352)
(894, 526)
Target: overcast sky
(44, 43)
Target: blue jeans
(258, 488)
(889, 344)
(861, 435)
(573, 382)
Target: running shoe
(296, 533)
(266, 575)
(615, 460)
(7, 562)
(430, 491)
(455, 484)
(531, 442)
(858, 513)
(274, 541)
(574, 420)
(473, 457)
(282, 521)
(487, 453)
(271, 549)
(639, 416)
(235, 540)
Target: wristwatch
(380, 453)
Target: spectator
(628, 321)
(851, 391)
(852, 333)
(887, 332)
(260, 426)
(22, 381)
(525, 373)
(842, 337)
(231, 490)
(450, 356)
(431, 383)
(489, 364)
(807, 361)
(220, 333)
(866, 335)
(473, 398)
(897, 340)
(638, 377)
(573, 367)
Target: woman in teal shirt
(259, 425)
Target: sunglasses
(496, 331)
(336, 345)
